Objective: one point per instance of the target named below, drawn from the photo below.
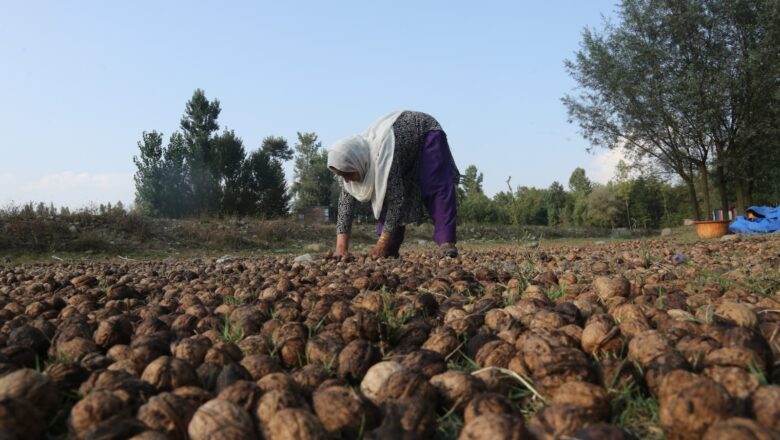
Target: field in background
(29, 234)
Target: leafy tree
(688, 84)
(149, 175)
(603, 207)
(177, 201)
(580, 187)
(161, 179)
(313, 179)
(531, 206)
(276, 147)
(471, 181)
(556, 204)
(228, 157)
(198, 125)
(264, 189)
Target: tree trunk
(739, 190)
(724, 197)
(694, 201)
(705, 183)
(749, 186)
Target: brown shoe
(448, 250)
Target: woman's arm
(344, 218)
(394, 200)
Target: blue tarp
(768, 221)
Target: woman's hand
(342, 245)
(382, 247)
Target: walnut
(343, 412)
(221, 419)
(487, 403)
(457, 388)
(93, 409)
(167, 373)
(494, 426)
(168, 413)
(295, 423)
(32, 386)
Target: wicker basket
(712, 229)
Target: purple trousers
(437, 184)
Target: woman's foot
(448, 250)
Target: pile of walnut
(511, 343)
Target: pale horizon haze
(81, 81)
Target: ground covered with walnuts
(635, 339)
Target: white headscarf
(371, 155)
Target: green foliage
(636, 412)
(313, 179)
(471, 182)
(201, 172)
(232, 331)
(198, 126)
(580, 187)
(685, 86)
(556, 202)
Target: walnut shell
(259, 365)
(93, 409)
(609, 287)
(739, 383)
(736, 314)
(192, 350)
(274, 401)
(75, 349)
(32, 386)
(295, 423)
(495, 354)
(243, 393)
(739, 428)
(601, 337)
(592, 398)
(457, 388)
(20, 419)
(602, 431)
(355, 360)
(309, 378)
(112, 331)
(647, 346)
(324, 350)
(30, 337)
(558, 421)
(487, 403)
(230, 374)
(494, 426)
(166, 373)
(426, 362)
(66, 376)
(277, 381)
(343, 412)
(168, 413)
(376, 377)
(765, 404)
(221, 419)
(687, 410)
(403, 384)
(115, 428)
(443, 341)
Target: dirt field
(645, 338)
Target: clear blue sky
(81, 80)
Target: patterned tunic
(403, 199)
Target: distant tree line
(626, 201)
(204, 172)
(690, 89)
